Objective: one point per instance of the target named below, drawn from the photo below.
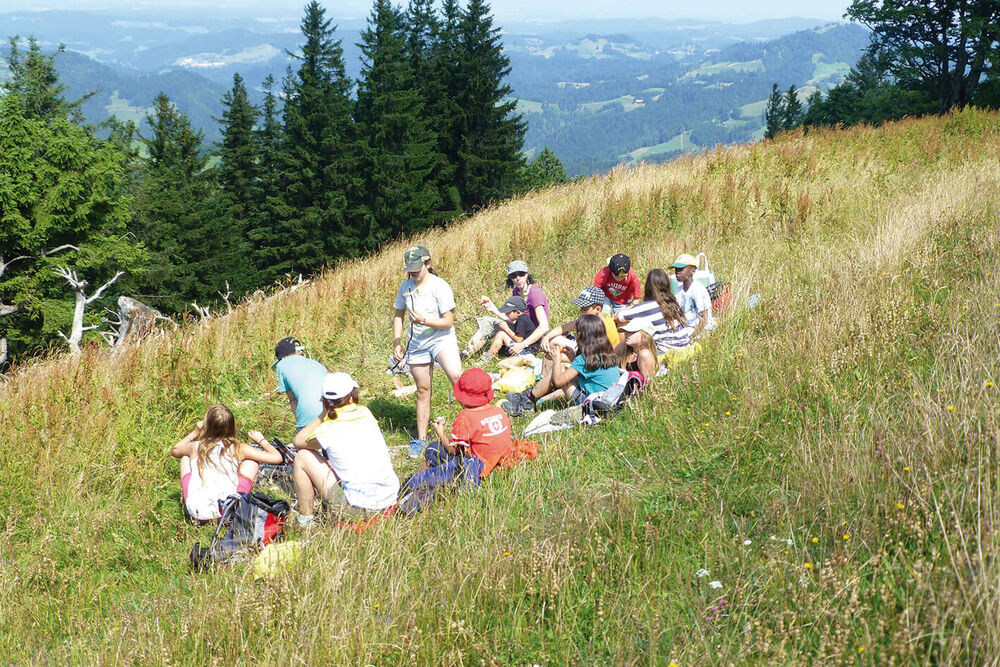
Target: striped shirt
(665, 337)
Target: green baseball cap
(414, 258)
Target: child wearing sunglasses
(619, 283)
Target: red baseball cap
(474, 388)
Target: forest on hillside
(325, 168)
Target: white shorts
(425, 352)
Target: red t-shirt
(486, 433)
(619, 291)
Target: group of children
(341, 452)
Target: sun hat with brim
(644, 324)
(513, 303)
(590, 296)
(414, 258)
(287, 346)
(684, 260)
(474, 388)
(338, 385)
(517, 266)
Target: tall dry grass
(846, 428)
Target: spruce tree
(267, 243)
(240, 205)
(491, 135)
(400, 159)
(774, 113)
(792, 112)
(318, 155)
(172, 212)
(34, 82)
(545, 170)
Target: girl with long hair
(661, 308)
(429, 304)
(595, 368)
(216, 465)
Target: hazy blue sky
(738, 11)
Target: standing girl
(430, 305)
(215, 465)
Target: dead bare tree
(203, 312)
(10, 309)
(82, 301)
(225, 297)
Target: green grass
(123, 110)
(721, 68)
(626, 101)
(830, 458)
(753, 110)
(680, 142)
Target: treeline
(924, 57)
(325, 168)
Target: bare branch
(46, 253)
(203, 313)
(4, 265)
(8, 310)
(225, 297)
(63, 336)
(105, 286)
(70, 276)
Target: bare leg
(474, 345)
(311, 473)
(422, 378)
(249, 470)
(450, 363)
(499, 341)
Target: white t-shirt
(358, 454)
(207, 487)
(694, 301)
(433, 299)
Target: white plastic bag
(704, 276)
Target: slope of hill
(829, 460)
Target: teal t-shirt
(304, 378)
(593, 381)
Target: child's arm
(561, 376)
(303, 439)
(185, 446)
(504, 327)
(443, 438)
(269, 455)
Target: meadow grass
(831, 459)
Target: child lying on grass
(513, 326)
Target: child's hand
(256, 436)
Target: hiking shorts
(425, 352)
(487, 328)
(336, 503)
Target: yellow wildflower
(906, 468)
(808, 566)
(846, 537)
(728, 413)
(815, 540)
(989, 384)
(951, 408)
(900, 506)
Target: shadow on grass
(392, 415)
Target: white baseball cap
(338, 385)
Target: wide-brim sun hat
(683, 261)
(474, 388)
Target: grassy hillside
(832, 459)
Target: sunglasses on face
(519, 274)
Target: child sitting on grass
(514, 326)
(215, 465)
(481, 433)
(593, 369)
(355, 477)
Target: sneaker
(463, 355)
(569, 416)
(486, 357)
(518, 404)
(416, 448)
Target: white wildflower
(789, 541)
(715, 584)
(747, 542)
(702, 573)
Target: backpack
(253, 520)
(611, 400)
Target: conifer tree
(399, 153)
(318, 154)
(35, 83)
(240, 203)
(430, 48)
(545, 170)
(267, 244)
(774, 113)
(489, 160)
(792, 112)
(172, 210)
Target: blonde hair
(219, 427)
(647, 342)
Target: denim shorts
(425, 352)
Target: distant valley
(596, 92)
